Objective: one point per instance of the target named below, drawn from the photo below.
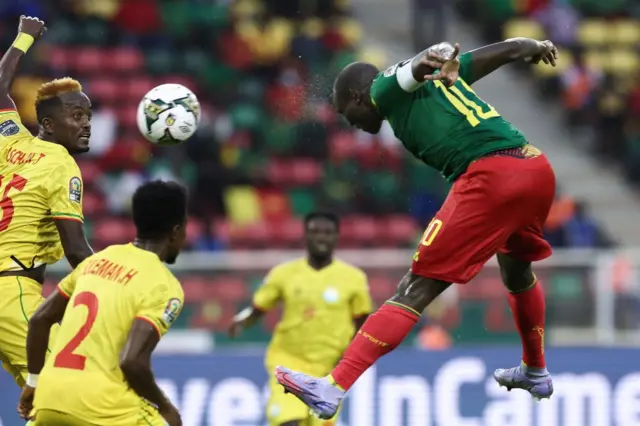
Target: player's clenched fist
(26, 402)
(548, 53)
(32, 26)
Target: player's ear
(47, 125)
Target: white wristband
(405, 78)
(32, 380)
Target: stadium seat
(159, 61)
(124, 60)
(89, 60)
(287, 233)
(114, 231)
(523, 28)
(359, 230)
(254, 235)
(278, 172)
(242, 204)
(305, 172)
(381, 286)
(624, 62)
(302, 201)
(597, 59)
(134, 88)
(195, 288)
(104, 89)
(93, 203)
(342, 145)
(399, 230)
(220, 230)
(127, 116)
(90, 171)
(227, 288)
(60, 59)
(275, 205)
(593, 33)
(625, 32)
(195, 229)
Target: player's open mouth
(85, 136)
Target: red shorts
(498, 205)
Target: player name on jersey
(108, 270)
(15, 156)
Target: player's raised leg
(380, 334)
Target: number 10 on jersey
(465, 106)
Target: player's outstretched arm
(30, 29)
(75, 244)
(487, 59)
(135, 363)
(244, 319)
(49, 313)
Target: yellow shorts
(19, 299)
(283, 408)
(57, 418)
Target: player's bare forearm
(8, 67)
(489, 58)
(75, 245)
(135, 363)
(49, 313)
(244, 319)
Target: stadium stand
(597, 79)
(269, 150)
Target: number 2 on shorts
(66, 358)
(431, 232)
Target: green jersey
(445, 127)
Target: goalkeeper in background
(325, 301)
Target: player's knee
(418, 292)
(516, 274)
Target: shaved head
(352, 98)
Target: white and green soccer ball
(169, 114)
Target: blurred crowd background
(270, 149)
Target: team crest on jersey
(75, 189)
(274, 410)
(331, 295)
(9, 128)
(172, 311)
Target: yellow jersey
(319, 307)
(82, 375)
(39, 182)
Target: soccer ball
(169, 114)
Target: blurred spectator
(103, 130)
(560, 20)
(581, 231)
(579, 83)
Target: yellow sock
(333, 382)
